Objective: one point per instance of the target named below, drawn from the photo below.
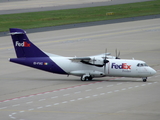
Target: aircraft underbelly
(80, 69)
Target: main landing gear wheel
(83, 78)
(90, 78)
(144, 79)
(86, 78)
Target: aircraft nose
(153, 72)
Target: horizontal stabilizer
(16, 33)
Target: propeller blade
(94, 60)
(105, 69)
(105, 60)
(105, 54)
(117, 55)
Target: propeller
(105, 61)
(117, 55)
(94, 60)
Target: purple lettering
(122, 66)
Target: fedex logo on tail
(24, 44)
(122, 66)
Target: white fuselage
(115, 67)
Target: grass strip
(80, 15)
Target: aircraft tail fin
(23, 46)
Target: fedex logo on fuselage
(122, 66)
(24, 44)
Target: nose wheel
(144, 79)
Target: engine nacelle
(96, 61)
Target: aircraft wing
(80, 59)
(97, 60)
(89, 58)
(89, 61)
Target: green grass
(81, 15)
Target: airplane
(87, 68)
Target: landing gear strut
(144, 79)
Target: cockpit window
(145, 64)
(141, 64)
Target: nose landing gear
(144, 79)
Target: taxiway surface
(29, 94)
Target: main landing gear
(86, 78)
(144, 79)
